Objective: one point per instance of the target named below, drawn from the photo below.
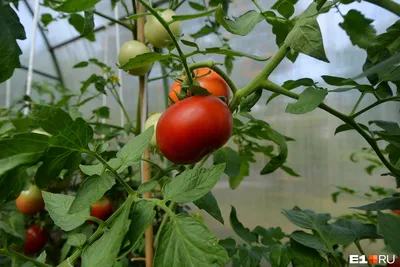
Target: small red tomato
(30, 201)
(35, 240)
(396, 263)
(209, 80)
(102, 209)
(192, 128)
(396, 211)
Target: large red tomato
(102, 209)
(193, 128)
(214, 84)
(35, 240)
(30, 201)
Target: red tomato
(30, 201)
(102, 209)
(396, 263)
(214, 83)
(396, 211)
(192, 128)
(35, 239)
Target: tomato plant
(30, 201)
(192, 128)
(35, 240)
(80, 160)
(207, 79)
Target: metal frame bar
(42, 73)
(52, 54)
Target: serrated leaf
(306, 218)
(91, 190)
(77, 240)
(192, 184)
(389, 228)
(276, 161)
(146, 187)
(231, 159)
(309, 240)
(306, 35)
(270, 236)
(358, 229)
(187, 241)
(359, 29)
(306, 257)
(250, 257)
(229, 244)
(242, 25)
(22, 149)
(309, 100)
(142, 217)
(388, 41)
(243, 232)
(104, 251)
(144, 59)
(209, 204)
(392, 203)
(11, 31)
(58, 206)
(279, 255)
(292, 84)
(46, 19)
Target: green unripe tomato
(152, 120)
(130, 50)
(156, 34)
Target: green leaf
(338, 81)
(277, 161)
(309, 100)
(306, 35)
(289, 171)
(347, 127)
(390, 203)
(286, 9)
(244, 171)
(231, 159)
(243, 232)
(66, 133)
(72, 6)
(11, 31)
(279, 255)
(229, 244)
(242, 25)
(189, 43)
(270, 236)
(92, 169)
(81, 64)
(46, 19)
(307, 218)
(206, 30)
(187, 241)
(22, 149)
(210, 205)
(77, 240)
(228, 62)
(383, 90)
(192, 184)
(104, 251)
(386, 42)
(91, 190)
(146, 187)
(358, 229)
(58, 206)
(281, 28)
(4, 227)
(359, 29)
(144, 59)
(292, 84)
(250, 257)
(142, 217)
(102, 112)
(250, 101)
(306, 257)
(196, 6)
(309, 240)
(193, 16)
(42, 258)
(389, 227)
(83, 25)
(12, 183)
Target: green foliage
(84, 25)
(11, 31)
(389, 226)
(242, 25)
(308, 101)
(209, 204)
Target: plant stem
(387, 4)
(163, 222)
(394, 98)
(166, 27)
(158, 78)
(97, 220)
(15, 255)
(201, 163)
(114, 172)
(357, 104)
(211, 64)
(262, 76)
(270, 86)
(113, 20)
(361, 250)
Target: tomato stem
(394, 98)
(15, 255)
(178, 48)
(360, 249)
(163, 222)
(113, 20)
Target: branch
(389, 5)
(113, 20)
(270, 86)
(394, 98)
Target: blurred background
(322, 159)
